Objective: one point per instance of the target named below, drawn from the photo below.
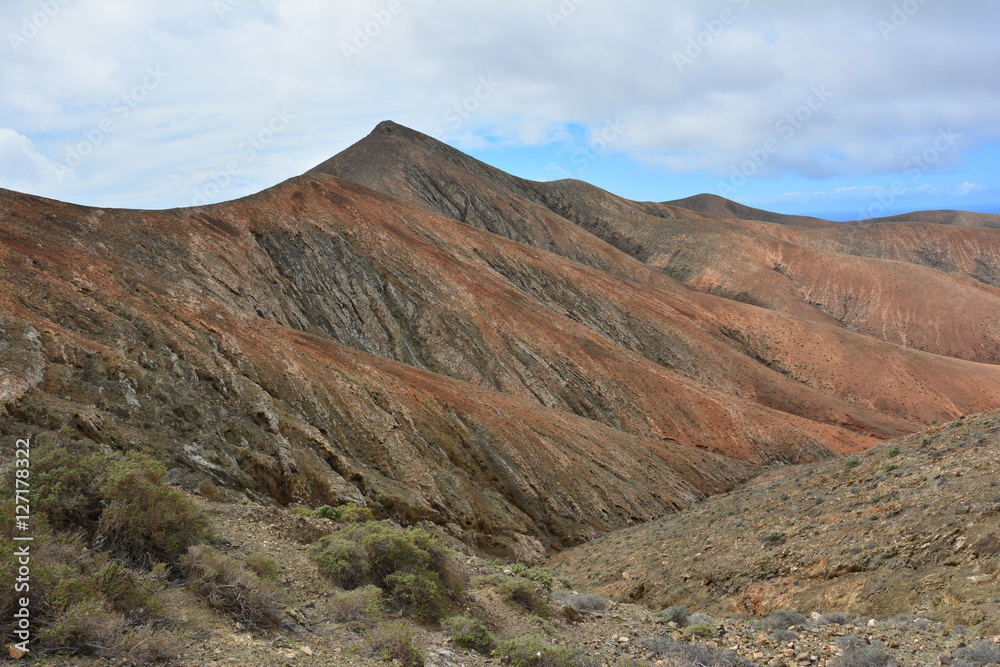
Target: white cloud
(226, 72)
(966, 188)
(21, 166)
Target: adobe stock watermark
(223, 7)
(915, 167)
(21, 567)
(900, 16)
(599, 144)
(562, 12)
(248, 149)
(785, 128)
(121, 109)
(365, 35)
(715, 28)
(33, 24)
(461, 111)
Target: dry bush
(360, 608)
(233, 589)
(391, 641)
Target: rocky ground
(909, 527)
(622, 634)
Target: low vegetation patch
(392, 641)
(585, 602)
(867, 656)
(470, 633)
(415, 570)
(348, 513)
(677, 614)
(535, 652)
(360, 608)
(109, 534)
(783, 619)
(683, 653)
(233, 589)
(524, 593)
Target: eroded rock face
(495, 368)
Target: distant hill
(720, 207)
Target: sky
(844, 110)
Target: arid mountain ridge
(526, 365)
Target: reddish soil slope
(409, 328)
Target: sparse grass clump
(586, 602)
(867, 656)
(535, 652)
(782, 619)
(703, 630)
(470, 633)
(264, 567)
(677, 614)
(833, 618)
(540, 575)
(232, 588)
(523, 592)
(981, 653)
(393, 640)
(360, 608)
(772, 538)
(683, 653)
(415, 570)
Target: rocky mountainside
(911, 527)
(527, 365)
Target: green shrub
(393, 641)
(342, 559)
(851, 464)
(63, 487)
(470, 633)
(893, 452)
(534, 652)
(703, 630)
(415, 570)
(419, 592)
(360, 608)
(540, 575)
(85, 602)
(82, 627)
(145, 520)
(348, 512)
(232, 588)
(524, 593)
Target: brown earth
(521, 362)
(909, 527)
